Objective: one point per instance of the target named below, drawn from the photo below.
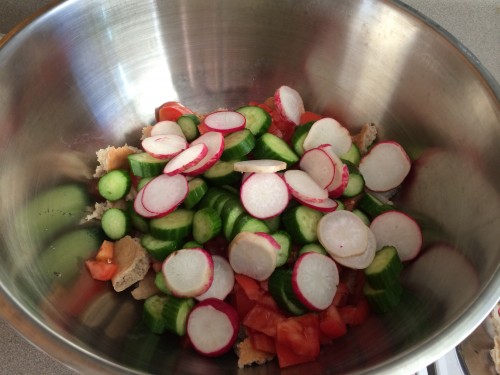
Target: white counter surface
(476, 23)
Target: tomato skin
(262, 342)
(309, 116)
(357, 314)
(105, 252)
(298, 340)
(171, 111)
(331, 324)
(263, 319)
(251, 287)
(241, 302)
(341, 295)
(102, 271)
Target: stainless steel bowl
(87, 74)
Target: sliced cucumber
(192, 245)
(230, 213)
(299, 134)
(372, 206)
(238, 144)
(364, 217)
(280, 287)
(197, 190)
(285, 241)
(273, 223)
(353, 155)
(176, 312)
(114, 185)
(161, 284)
(301, 223)
(257, 119)
(115, 223)
(222, 173)
(356, 184)
(189, 126)
(270, 146)
(152, 314)
(144, 165)
(247, 223)
(138, 222)
(383, 300)
(312, 247)
(176, 226)
(158, 249)
(142, 182)
(206, 224)
(385, 268)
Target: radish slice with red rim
(212, 327)
(329, 131)
(318, 164)
(225, 121)
(328, 205)
(385, 166)
(223, 280)
(187, 158)
(139, 207)
(164, 146)
(270, 238)
(188, 272)
(215, 144)
(289, 104)
(264, 195)
(252, 255)
(260, 166)
(303, 187)
(341, 178)
(342, 234)
(314, 280)
(167, 128)
(164, 193)
(395, 228)
(363, 260)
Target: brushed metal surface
(89, 74)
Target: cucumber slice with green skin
(385, 268)
(192, 245)
(158, 249)
(258, 120)
(299, 134)
(206, 224)
(364, 217)
(152, 314)
(247, 223)
(312, 247)
(238, 144)
(142, 182)
(114, 185)
(138, 222)
(197, 190)
(285, 242)
(212, 194)
(230, 213)
(115, 223)
(280, 288)
(161, 284)
(144, 165)
(356, 184)
(222, 173)
(340, 205)
(175, 314)
(273, 223)
(383, 300)
(174, 227)
(372, 206)
(189, 126)
(301, 223)
(272, 147)
(353, 155)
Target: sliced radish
(342, 234)
(215, 144)
(270, 238)
(264, 195)
(303, 187)
(395, 228)
(363, 260)
(341, 178)
(252, 255)
(329, 131)
(164, 146)
(223, 281)
(139, 207)
(225, 121)
(289, 104)
(385, 166)
(314, 280)
(164, 193)
(212, 327)
(245, 176)
(328, 205)
(260, 166)
(188, 272)
(186, 159)
(167, 128)
(318, 164)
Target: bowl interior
(88, 74)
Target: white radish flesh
(215, 144)
(328, 205)
(319, 166)
(186, 159)
(164, 193)
(139, 207)
(329, 131)
(260, 166)
(212, 327)
(225, 122)
(252, 255)
(363, 260)
(342, 234)
(264, 195)
(341, 178)
(289, 104)
(395, 228)
(303, 187)
(164, 146)
(223, 280)
(270, 238)
(314, 280)
(167, 128)
(385, 166)
(188, 272)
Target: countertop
(476, 23)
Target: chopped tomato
(102, 271)
(298, 340)
(331, 324)
(171, 111)
(285, 127)
(262, 342)
(202, 128)
(267, 300)
(241, 302)
(105, 252)
(309, 116)
(263, 319)
(156, 266)
(274, 130)
(250, 286)
(355, 314)
(341, 295)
